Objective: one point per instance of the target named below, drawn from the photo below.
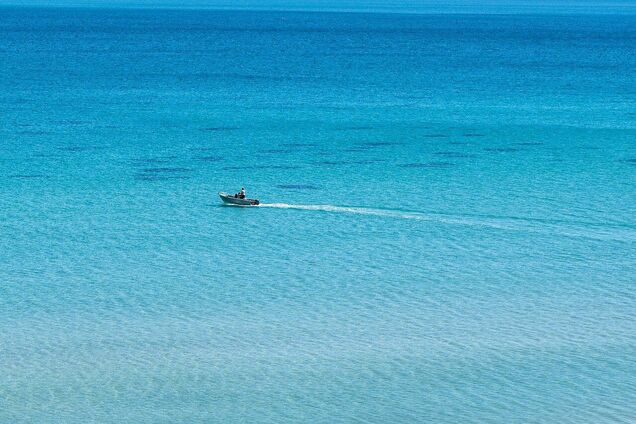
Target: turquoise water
(448, 228)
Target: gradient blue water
(448, 231)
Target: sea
(447, 228)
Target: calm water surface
(448, 228)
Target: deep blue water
(448, 228)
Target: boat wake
(598, 231)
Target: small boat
(233, 199)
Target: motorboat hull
(229, 199)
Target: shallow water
(447, 231)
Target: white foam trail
(332, 208)
(387, 213)
(593, 231)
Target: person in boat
(240, 194)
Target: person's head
(242, 188)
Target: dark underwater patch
(501, 149)
(34, 132)
(474, 135)
(355, 128)
(251, 77)
(239, 167)
(351, 162)
(300, 145)
(332, 162)
(155, 160)
(27, 176)
(367, 161)
(161, 170)
(447, 154)
(434, 164)
(630, 161)
(298, 187)
(74, 149)
(210, 158)
(530, 143)
(436, 135)
(275, 151)
(362, 147)
(277, 167)
(379, 144)
(218, 129)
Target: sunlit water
(447, 231)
